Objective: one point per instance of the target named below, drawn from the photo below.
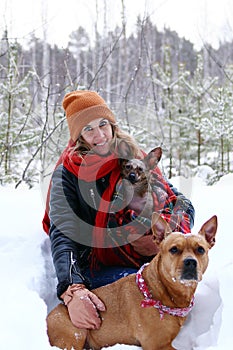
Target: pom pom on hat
(83, 106)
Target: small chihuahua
(136, 181)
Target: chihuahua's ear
(124, 150)
(153, 157)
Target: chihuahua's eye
(174, 250)
(127, 166)
(140, 169)
(201, 250)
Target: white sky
(196, 20)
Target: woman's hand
(143, 244)
(83, 306)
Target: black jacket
(73, 207)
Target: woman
(88, 225)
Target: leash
(149, 301)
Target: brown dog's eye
(140, 169)
(201, 250)
(174, 250)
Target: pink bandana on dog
(148, 301)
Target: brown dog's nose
(190, 262)
(189, 269)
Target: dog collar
(149, 301)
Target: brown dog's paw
(61, 332)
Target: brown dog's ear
(160, 228)
(153, 157)
(209, 229)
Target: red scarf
(90, 168)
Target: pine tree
(17, 133)
(200, 89)
(220, 129)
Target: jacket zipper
(93, 198)
(72, 264)
(73, 267)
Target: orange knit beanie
(83, 106)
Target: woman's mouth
(101, 147)
(100, 144)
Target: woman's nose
(98, 131)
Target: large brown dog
(148, 313)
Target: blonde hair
(119, 137)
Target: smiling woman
(96, 238)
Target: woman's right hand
(83, 306)
(143, 244)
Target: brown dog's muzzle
(189, 271)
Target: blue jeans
(106, 275)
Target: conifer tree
(17, 134)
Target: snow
(29, 282)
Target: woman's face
(98, 135)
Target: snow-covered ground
(28, 281)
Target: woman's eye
(87, 129)
(103, 123)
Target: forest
(162, 90)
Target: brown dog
(136, 182)
(148, 313)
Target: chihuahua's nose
(132, 178)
